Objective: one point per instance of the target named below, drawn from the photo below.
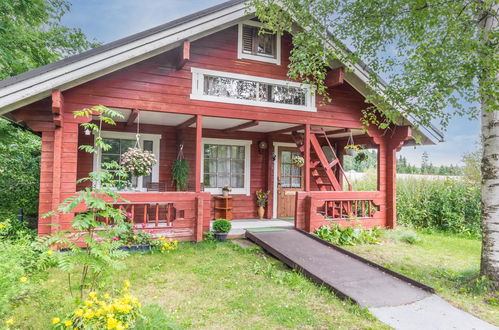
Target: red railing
(149, 214)
(316, 208)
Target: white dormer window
(258, 45)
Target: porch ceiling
(219, 123)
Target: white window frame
(262, 58)
(247, 164)
(198, 90)
(156, 140)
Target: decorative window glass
(219, 86)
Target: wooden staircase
(321, 169)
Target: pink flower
(116, 238)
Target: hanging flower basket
(138, 162)
(351, 150)
(298, 161)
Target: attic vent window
(258, 45)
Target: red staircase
(321, 169)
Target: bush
(222, 226)
(335, 234)
(452, 206)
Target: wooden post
(199, 139)
(199, 218)
(270, 177)
(307, 157)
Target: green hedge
(451, 206)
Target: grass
(210, 285)
(449, 263)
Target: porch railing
(149, 214)
(317, 208)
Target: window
(290, 175)
(255, 44)
(226, 162)
(120, 142)
(235, 88)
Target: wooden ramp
(347, 274)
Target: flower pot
(221, 237)
(261, 212)
(299, 164)
(350, 152)
(225, 193)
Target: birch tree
(439, 57)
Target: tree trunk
(490, 178)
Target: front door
(289, 181)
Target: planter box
(135, 247)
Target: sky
(108, 20)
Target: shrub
(103, 312)
(452, 206)
(14, 230)
(222, 226)
(335, 234)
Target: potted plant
(180, 173)
(261, 200)
(134, 241)
(351, 149)
(138, 162)
(225, 191)
(298, 161)
(221, 228)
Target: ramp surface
(348, 275)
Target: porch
(247, 155)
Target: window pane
(285, 182)
(125, 144)
(110, 158)
(286, 157)
(223, 152)
(286, 169)
(237, 152)
(148, 145)
(237, 181)
(296, 182)
(115, 146)
(296, 171)
(266, 44)
(223, 166)
(210, 151)
(223, 180)
(210, 180)
(237, 166)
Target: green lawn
(213, 286)
(210, 285)
(448, 263)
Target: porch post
(393, 144)
(197, 167)
(307, 157)
(270, 177)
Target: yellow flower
(89, 303)
(134, 237)
(126, 283)
(55, 320)
(10, 320)
(106, 296)
(79, 312)
(23, 279)
(112, 323)
(88, 315)
(50, 252)
(68, 323)
(1, 227)
(92, 295)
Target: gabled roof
(37, 84)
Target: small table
(223, 207)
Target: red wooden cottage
(210, 85)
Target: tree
(31, 35)
(437, 56)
